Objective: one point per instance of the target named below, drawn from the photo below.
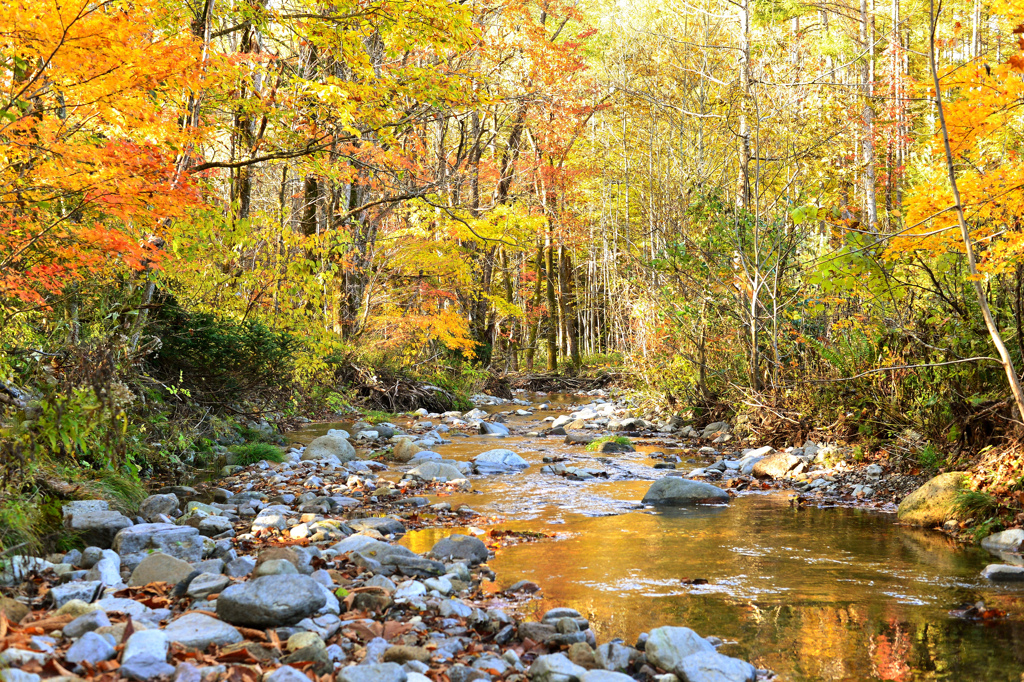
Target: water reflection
(814, 594)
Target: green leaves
(803, 214)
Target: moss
(595, 445)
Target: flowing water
(813, 594)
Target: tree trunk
(549, 276)
(531, 343)
(965, 234)
(870, 215)
(568, 307)
(743, 181)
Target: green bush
(595, 445)
(256, 452)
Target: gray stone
(60, 595)
(106, 571)
(667, 646)
(91, 649)
(386, 525)
(155, 506)
(286, 673)
(270, 601)
(1007, 541)
(429, 471)
(209, 566)
(1003, 573)
(90, 555)
(86, 623)
(460, 548)
(493, 429)
(375, 672)
(556, 668)
(83, 506)
(673, 491)
(136, 543)
(605, 676)
(147, 668)
(714, 667)
(329, 446)
(160, 568)
(198, 630)
(214, 525)
(205, 584)
(498, 461)
(97, 527)
(12, 675)
(152, 643)
(615, 656)
(240, 567)
(275, 567)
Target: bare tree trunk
(531, 343)
(870, 215)
(965, 234)
(565, 303)
(552, 309)
(743, 182)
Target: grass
(595, 445)
(975, 503)
(379, 416)
(256, 452)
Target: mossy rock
(934, 503)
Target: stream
(813, 594)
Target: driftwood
(557, 383)
(392, 393)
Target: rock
(97, 527)
(13, 609)
(405, 450)
(239, 568)
(715, 428)
(556, 668)
(75, 591)
(612, 446)
(605, 676)
(106, 571)
(270, 601)
(673, 491)
(538, 632)
(146, 643)
(76, 608)
(12, 675)
(460, 548)
(667, 646)
(286, 673)
(386, 525)
(87, 622)
(429, 471)
(933, 503)
(498, 461)
(1007, 541)
(376, 672)
(776, 466)
(616, 657)
(714, 667)
(328, 446)
(136, 543)
(493, 429)
(197, 630)
(159, 568)
(1003, 573)
(83, 506)
(155, 506)
(205, 584)
(89, 649)
(275, 567)
(401, 654)
(147, 668)
(582, 655)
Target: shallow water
(813, 594)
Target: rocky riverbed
(305, 569)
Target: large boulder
(1003, 573)
(155, 506)
(668, 646)
(270, 601)
(498, 462)
(331, 445)
(429, 471)
(776, 466)
(711, 666)
(136, 543)
(460, 548)
(673, 491)
(96, 528)
(556, 668)
(933, 503)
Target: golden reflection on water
(814, 594)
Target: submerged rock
(933, 503)
(1003, 573)
(498, 462)
(673, 491)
